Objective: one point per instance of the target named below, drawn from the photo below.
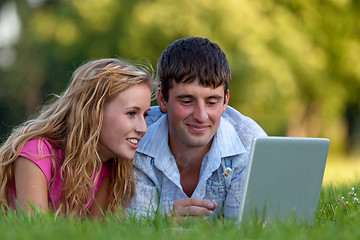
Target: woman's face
(124, 123)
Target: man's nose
(200, 112)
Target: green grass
(336, 218)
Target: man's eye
(186, 101)
(211, 102)
(131, 113)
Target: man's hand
(191, 207)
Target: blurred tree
(295, 64)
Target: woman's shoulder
(43, 154)
(40, 147)
(37, 145)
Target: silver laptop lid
(284, 178)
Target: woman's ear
(161, 101)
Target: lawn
(338, 217)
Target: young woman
(77, 154)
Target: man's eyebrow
(185, 96)
(215, 96)
(192, 96)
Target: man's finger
(193, 207)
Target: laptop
(284, 179)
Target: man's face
(194, 113)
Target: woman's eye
(131, 113)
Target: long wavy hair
(72, 123)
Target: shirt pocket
(216, 186)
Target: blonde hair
(72, 124)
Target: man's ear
(226, 100)
(161, 101)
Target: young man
(193, 136)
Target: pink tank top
(39, 151)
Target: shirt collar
(155, 142)
(226, 140)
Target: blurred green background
(295, 64)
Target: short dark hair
(190, 59)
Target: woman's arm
(101, 202)
(31, 185)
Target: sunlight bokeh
(340, 170)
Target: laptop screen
(284, 178)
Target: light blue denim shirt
(158, 183)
